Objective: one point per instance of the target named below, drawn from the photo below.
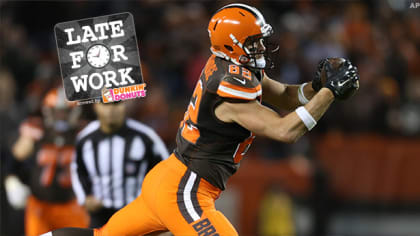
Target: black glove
(343, 81)
(317, 82)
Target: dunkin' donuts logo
(123, 93)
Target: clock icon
(98, 56)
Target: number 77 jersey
(208, 146)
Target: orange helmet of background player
(55, 98)
(59, 113)
(234, 27)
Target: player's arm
(17, 192)
(23, 147)
(158, 148)
(160, 152)
(286, 96)
(261, 120)
(30, 133)
(81, 182)
(341, 83)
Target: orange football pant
(41, 217)
(173, 198)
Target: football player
(45, 146)
(224, 114)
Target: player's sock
(70, 232)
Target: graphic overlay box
(99, 59)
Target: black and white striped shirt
(112, 166)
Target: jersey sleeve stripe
(233, 93)
(241, 88)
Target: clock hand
(99, 53)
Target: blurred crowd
(380, 37)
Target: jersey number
(235, 70)
(49, 157)
(242, 149)
(189, 131)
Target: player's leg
(200, 217)
(86, 232)
(213, 223)
(35, 220)
(134, 219)
(69, 214)
(186, 203)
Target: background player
(113, 154)
(44, 152)
(224, 113)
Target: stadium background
(356, 173)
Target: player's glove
(317, 81)
(343, 81)
(16, 192)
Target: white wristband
(306, 118)
(301, 96)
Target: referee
(113, 154)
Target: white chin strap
(258, 63)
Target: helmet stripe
(252, 10)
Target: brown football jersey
(208, 146)
(48, 176)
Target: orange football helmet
(55, 98)
(236, 32)
(58, 113)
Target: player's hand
(16, 192)
(342, 81)
(92, 204)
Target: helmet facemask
(59, 114)
(255, 52)
(258, 50)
